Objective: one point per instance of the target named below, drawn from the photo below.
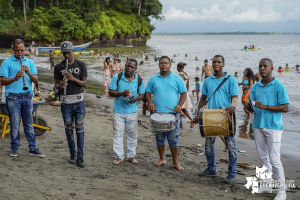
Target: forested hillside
(57, 20)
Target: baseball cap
(66, 46)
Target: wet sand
(27, 177)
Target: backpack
(140, 80)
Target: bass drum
(215, 122)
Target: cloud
(173, 13)
(295, 14)
(213, 13)
(253, 15)
(234, 12)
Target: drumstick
(170, 108)
(158, 112)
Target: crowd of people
(166, 93)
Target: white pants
(268, 143)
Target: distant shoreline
(229, 33)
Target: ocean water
(281, 49)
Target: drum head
(165, 117)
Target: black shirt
(77, 69)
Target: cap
(66, 46)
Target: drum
(215, 122)
(163, 123)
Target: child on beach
(187, 104)
(54, 97)
(197, 88)
(245, 99)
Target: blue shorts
(172, 136)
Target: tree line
(53, 20)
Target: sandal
(55, 103)
(133, 160)
(117, 161)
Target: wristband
(267, 107)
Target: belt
(21, 94)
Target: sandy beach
(27, 177)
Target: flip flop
(133, 160)
(117, 161)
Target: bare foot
(192, 96)
(117, 161)
(133, 160)
(178, 167)
(160, 162)
(225, 150)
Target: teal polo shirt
(120, 106)
(272, 94)
(222, 97)
(9, 69)
(165, 91)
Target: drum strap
(217, 89)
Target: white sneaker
(281, 195)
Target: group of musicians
(268, 99)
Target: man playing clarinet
(17, 75)
(70, 77)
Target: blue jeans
(69, 112)
(172, 136)
(129, 121)
(210, 154)
(20, 105)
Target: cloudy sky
(229, 15)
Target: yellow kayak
(287, 70)
(8, 53)
(255, 49)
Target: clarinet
(64, 99)
(24, 82)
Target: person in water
(287, 67)
(247, 82)
(236, 74)
(280, 69)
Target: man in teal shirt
(268, 99)
(125, 110)
(165, 87)
(18, 100)
(226, 97)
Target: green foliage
(77, 19)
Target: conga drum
(215, 122)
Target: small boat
(8, 53)
(76, 48)
(255, 49)
(75, 53)
(287, 70)
(85, 52)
